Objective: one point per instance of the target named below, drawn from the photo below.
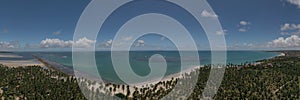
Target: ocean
(139, 60)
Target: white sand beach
(7, 55)
(17, 63)
(142, 84)
(168, 78)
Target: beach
(40, 61)
(168, 77)
(18, 63)
(187, 71)
(9, 56)
(99, 82)
(11, 63)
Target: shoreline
(9, 55)
(70, 71)
(110, 84)
(67, 70)
(191, 69)
(80, 74)
(169, 77)
(18, 61)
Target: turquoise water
(139, 60)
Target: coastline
(80, 74)
(67, 70)
(100, 82)
(70, 71)
(9, 56)
(178, 75)
(12, 63)
(18, 63)
(191, 69)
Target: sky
(29, 25)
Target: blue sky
(247, 24)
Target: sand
(167, 78)
(18, 63)
(9, 56)
(143, 84)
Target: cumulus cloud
(208, 14)
(244, 23)
(292, 41)
(284, 27)
(57, 43)
(140, 43)
(294, 2)
(290, 29)
(9, 45)
(242, 30)
(84, 43)
(288, 26)
(221, 32)
(243, 26)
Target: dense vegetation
(277, 78)
(37, 83)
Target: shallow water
(139, 60)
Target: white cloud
(243, 29)
(292, 41)
(127, 38)
(243, 26)
(295, 32)
(57, 43)
(295, 2)
(9, 45)
(121, 42)
(208, 14)
(57, 32)
(249, 44)
(84, 43)
(284, 27)
(288, 26)
(243, 46)
(221, 32)
(292, 29)
(244, 23)
(108, 43)
(140, 43)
